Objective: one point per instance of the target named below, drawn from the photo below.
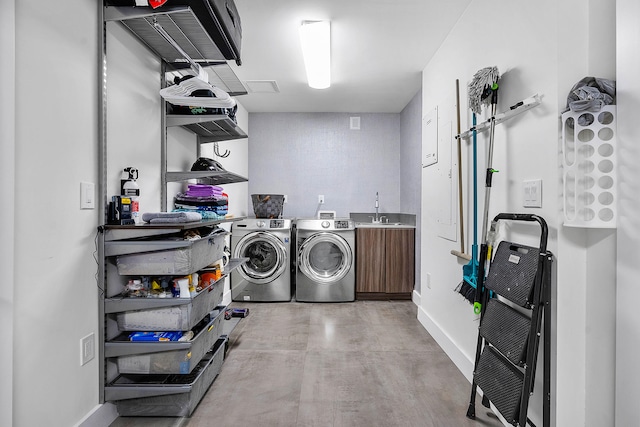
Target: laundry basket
(267, 205)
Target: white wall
(628, 315)
(537, 50)
(55, 291)
(7, 215)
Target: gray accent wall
(304, 155)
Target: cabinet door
(400, 254)
(370, 260)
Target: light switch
(87, 195)
(532, 193)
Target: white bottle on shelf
(131, 189)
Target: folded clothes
(222, 210)
(205, 214)
(188, 196)
(203, 190)
(205, 187)
(170, 217)
(201, 201)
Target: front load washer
(325, 267)
(266, 276)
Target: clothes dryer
(267, 244)
(325, 267)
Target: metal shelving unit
(177, 36)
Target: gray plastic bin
(179, 361)
(166, 395)
(176, 318)
(173, 256)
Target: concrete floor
(368, 363)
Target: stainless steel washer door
(267, 257)
(325, 257)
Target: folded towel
(203, 190)
(205, 214)
(170, 217)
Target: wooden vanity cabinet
(385, 263)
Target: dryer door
(325, 257)
(267, 257)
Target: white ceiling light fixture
(315, 37)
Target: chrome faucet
(377, 217)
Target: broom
(467, 288)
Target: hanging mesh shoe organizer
(510, 326)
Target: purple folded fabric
(203, 190)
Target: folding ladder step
(506, 329)
(513, 271)
(501, 382)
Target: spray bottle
(129, 188)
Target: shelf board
(206, 177)
(184, 27)
(126, 232)
(136, 246)
(209, 128)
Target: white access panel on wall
(447, 182)
(430, 138)
(437, 143)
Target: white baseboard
(416, 297)
(462, 361)
(101, 416)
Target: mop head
(479, 88)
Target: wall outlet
(87, 349)
(532, 193)
(321, 199)
(428, 280)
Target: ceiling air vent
(262, 86)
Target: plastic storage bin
(589, 153)
(166, 395)
(185, 257)
(179, 361)
(176, 318)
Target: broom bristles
(467, 291)
(481, 79)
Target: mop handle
(485, 252)
(490, 171)
(475, 182)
